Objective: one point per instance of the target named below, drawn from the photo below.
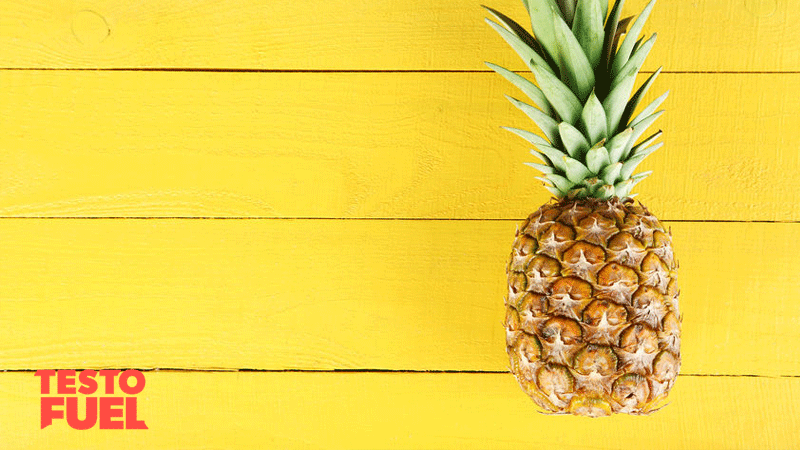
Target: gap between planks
(243, 70)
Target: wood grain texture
(363, 145)
(746, 35)
(407, 411)
(332, 294)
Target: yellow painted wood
(747, 35)
(363, 145)
(331, 294)
(327, 294)
(405, 411)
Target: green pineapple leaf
(610, 173)
(572, 62)
(551, 189)
(647, 150)
(630, 165)
(579, 192)
(625, 50)
(546, 123)
(592, 184)
(634, 64)
(637, 45)
(526, 53)
(545, 169)
(597, 158)
(573, 140)
(603, 8)
(633, 103)
(576, 171)
(614, 104)
(561, 183)
(610, 33)
(639, 153)
(542, 13)
(636, 179)
(526, 86)
(529, 136)
(606, 191)
(585, 68)
(623, 188)
(618, 144)
(555, 156)
(558, 94)
(588, 29)
(649, 109)
(542, 158)
(646, 143)
(593, 120)
(517, 29)
(638, 130)
(621, 87)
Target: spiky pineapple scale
(592, 318)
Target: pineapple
(592, 320)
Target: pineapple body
(592, 318)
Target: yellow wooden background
(319, 193)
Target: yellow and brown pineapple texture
(592, 320)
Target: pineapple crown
(583, 103)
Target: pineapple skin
(592, 319)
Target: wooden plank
(353, 294)
(405, 411)
(750, 35)
(363, 145)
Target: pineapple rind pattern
(602, 340)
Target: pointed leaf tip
(573, 140)
(531, 90)
(593, 119)
(631, 37)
